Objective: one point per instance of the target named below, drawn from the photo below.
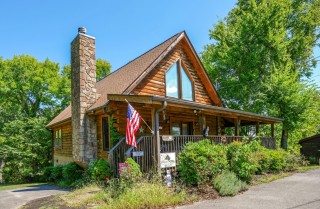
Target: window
(178, 83)
(181, 128)
(57, 139)
(105, 134)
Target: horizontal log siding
(154, 82)
(212, 123)
(66, 140)
(119, 112)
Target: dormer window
(178, 82)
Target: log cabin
(170, 89)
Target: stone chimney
(83, 95)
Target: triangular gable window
(178, 83)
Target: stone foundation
(61, 160)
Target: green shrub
(71, 172)
(56, 173)
(277, 160)
(201, 161)
(99, 170)
(240, 162)
(259, 156)
(135, 171)
(228, 184)
(293, 160)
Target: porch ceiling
(246, 118)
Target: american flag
(133, 123)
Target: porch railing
(146, 148)
(116, 155)
(144, 153)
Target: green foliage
(99, 170)
(66, 176)
(238, 155)
(114, 134)
(31, 94)
(72, 172)
(263, 49)
(135, 171)
(147, 195)
(25, 150)
(54, 173)
(228, 184)
(200, 162)
(103, 68)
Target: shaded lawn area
(9, 186)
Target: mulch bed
(204, 192)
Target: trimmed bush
(228, 184)
(201, 161)
(135, 171)
(99, 170)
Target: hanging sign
(167, 160)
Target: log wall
(154, 82)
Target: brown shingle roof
(120, 80)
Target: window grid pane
(172, 82)
(187, 91)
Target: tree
(29, 88)
(31, 94)
(103, 68)
(26, 149)
(257, 41)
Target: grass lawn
(259, 179)
(10, 186)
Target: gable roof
(311, 138)
(123, 80)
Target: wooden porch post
(272, 130)
(157, 134)
(236, 127)
(218, 126)
(257, 128)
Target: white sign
(137, 154)
(167, 160)
(167, 138)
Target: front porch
(147, 146)
(182, 122)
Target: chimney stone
(83, 95)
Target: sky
(123, 29)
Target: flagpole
(142, 119)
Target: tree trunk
(284, 139)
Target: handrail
(118, 144)
(132, 147)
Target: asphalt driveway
(299, 191)
(10, 199)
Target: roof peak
(177, 35)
